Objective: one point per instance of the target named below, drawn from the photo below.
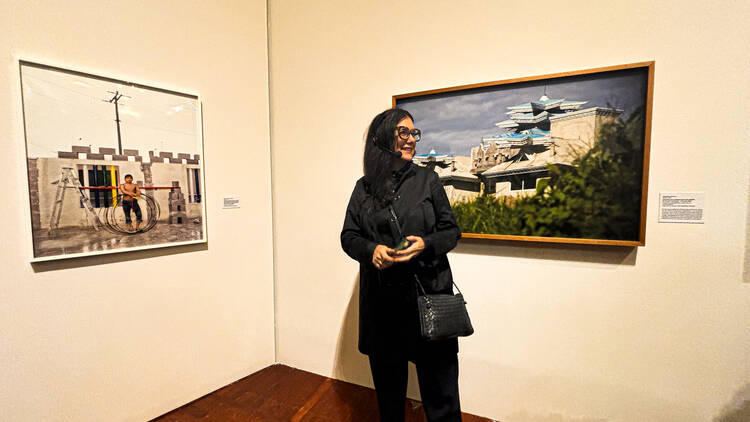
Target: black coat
(388, 319)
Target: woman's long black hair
(378, 161)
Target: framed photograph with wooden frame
(558, 158)
(112, 165)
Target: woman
(388, 317)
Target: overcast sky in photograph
(63, 109)
(453, 123)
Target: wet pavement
(69, 240)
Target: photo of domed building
(505, 152)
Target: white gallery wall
(564, 333)
(127, 337)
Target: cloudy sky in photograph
(453, 123)
(63, 109)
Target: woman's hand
(382, 257)
(416, 248)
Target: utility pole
(116, 100)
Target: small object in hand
(403, 244)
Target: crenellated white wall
(564, 333)
(129, 336)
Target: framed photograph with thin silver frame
(112, 165)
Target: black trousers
(127, 205)
(438, 386)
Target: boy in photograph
(130, 193)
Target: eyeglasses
(404, 132)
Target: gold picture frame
(535, 175)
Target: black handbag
(441, 316)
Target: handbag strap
(395, 220)
(416, 278)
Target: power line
(116, 101)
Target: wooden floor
(280, 393)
